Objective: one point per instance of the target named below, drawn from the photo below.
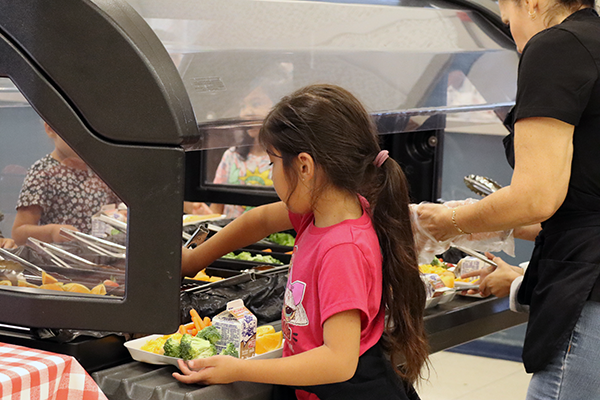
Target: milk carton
(238, 326)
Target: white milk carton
(238, 326)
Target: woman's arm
(528, 232)
(335, 361)
(543, 154)
(246, 229)
(26, 226)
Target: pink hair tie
(381, 157)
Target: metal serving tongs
(475, 254)
(481, 185)
(56, 254)
(97, 245)
(27, 266)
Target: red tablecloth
(36, 374)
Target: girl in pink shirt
(354, 258)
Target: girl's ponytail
(403, 291)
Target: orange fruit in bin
(76, 288)
(268, 342)
(99, 289)
(52, 286)
(46, 278)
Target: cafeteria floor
(455, 376)
(488, 368)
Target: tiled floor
(456, 376)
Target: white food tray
(134, 347)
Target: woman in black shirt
(555, 127)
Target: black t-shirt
(559, 75)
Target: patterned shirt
(67, 196)
(233, 170)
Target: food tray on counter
(230, 263)
(134, 347)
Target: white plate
(465, 285)
(134, 347)
(432, 302)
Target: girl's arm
(26, 226)
(246, 229)
(335, 361)
(543, 154)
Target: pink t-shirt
(333, 269)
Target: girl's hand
(211, 370)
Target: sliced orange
(99, 289)
(6, 282)
(268, 342)
(76, 288)
(262, 330)
(24, 283)
(52, 286)
(46, 278)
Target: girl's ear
(306, 166)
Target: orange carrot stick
(196, 319)
(207, 321)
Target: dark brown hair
(331, 125)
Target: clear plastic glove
(434, 232)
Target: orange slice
(46, 278)
(76, 288)
(268, 342)
(52, 286)
(6, 282)
(262, 330)
(99, 289)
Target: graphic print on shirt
(293, 311)
(251, 177)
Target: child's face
(297, 199)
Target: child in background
(59, 191)
(247, 164)
(354, 258)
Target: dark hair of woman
(331, 125)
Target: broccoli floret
(193, 347)
(210, 333)
(171, 347)
(229, 255)
(230, 350)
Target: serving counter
(459, 321)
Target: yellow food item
(431, 269)
(5, 282)
(76, 288)
(268, 342)
(24, 283)
(99, 289)
(156, 345)
(201, 276)
(264, 329)
(448, 280)
(52, 286)
(48, 278)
